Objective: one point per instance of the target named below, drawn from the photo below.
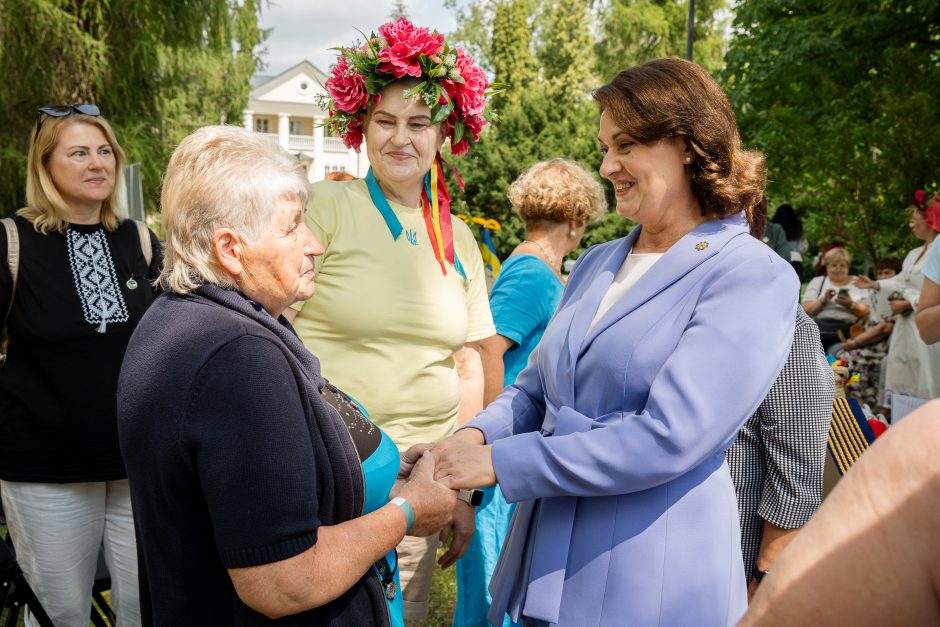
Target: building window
(335, 168)
(295, 127)
(261, 125)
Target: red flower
(347, 89)
(353, 136)
(920, 197)
(406, 43)
(474, 125)
(461, 147)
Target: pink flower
(406, 43)
(468, 95)
(353, 136)
(347, 88)
(920, 197)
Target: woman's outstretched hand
(465, 466)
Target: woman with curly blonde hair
(612, 440)
(555, 199)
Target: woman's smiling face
(647, 178)
(400, 140)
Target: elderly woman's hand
(408, 460)
(432, 503)
(464, 466)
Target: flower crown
(451, 84)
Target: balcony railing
(334, 144)
(305, 142)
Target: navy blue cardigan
(234, 459)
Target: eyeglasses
(61, 111)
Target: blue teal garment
(380, 471)
(523, 300)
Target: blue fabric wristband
(407, 510)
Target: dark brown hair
(671, 97)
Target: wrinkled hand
(827, 296)
(432, 502)
(410, 457)
(465, 466)
(863, 282)
(407, 461)
(459, 532)
(900, 306)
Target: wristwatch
(471, 497)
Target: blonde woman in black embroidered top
(84, 281)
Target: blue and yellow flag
(488, 251)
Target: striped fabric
(850, 434)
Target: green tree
(841, 97)
(157, 68)
(541, 115)
(633, 31)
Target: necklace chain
(548, 258)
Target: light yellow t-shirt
(384, 320)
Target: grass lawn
(443, 597)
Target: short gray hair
(221, 176)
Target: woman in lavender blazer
(612, 440)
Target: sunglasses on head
(59, 111)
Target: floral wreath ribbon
(435, 201)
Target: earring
(571, 233)
(688, 159)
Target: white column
(317, 173)
(248, 119)
(283, 129)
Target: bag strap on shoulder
(13, 262)
(146, 245)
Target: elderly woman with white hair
(261, 491)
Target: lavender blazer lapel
(587, 307)
(697, 246)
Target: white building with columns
(285, 107)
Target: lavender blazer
(612, 440)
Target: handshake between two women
(430, 476)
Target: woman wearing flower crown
(401, 284)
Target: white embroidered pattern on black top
(95, 279)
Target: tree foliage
(633, 31)
(157, 68)
(842, 98)
(546, 52)
(543, 53)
